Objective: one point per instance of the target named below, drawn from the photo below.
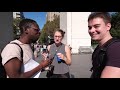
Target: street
(80, 67)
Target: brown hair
(61, 31)
(104, 15)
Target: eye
(36, 29)
(89, 27)
(96, 26)
(58, 36)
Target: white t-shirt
(12, 50)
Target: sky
(39, 17)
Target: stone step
(86, 49)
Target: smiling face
(98, 29)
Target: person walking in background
(61, 56)
(11, 54)
(99, 25)
(36, 50)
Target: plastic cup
(58, 59)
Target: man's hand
(45, 63)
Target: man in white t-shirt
(11, 54)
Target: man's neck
(103, 41)
(24, 40)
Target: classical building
(50, 15)
(75, 26)
(18, 15)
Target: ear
(26, 31)
(108, 26)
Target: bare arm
(111, 72)
(48, 47)
(66, 58)
(13, 68)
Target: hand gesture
(60, 55)
(45, 63)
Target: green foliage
(48, 29)
(16, 22)
(43, 37)
(115, 21)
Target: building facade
(18, 15)
(75, 26)
(50, 15)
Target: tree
(16, 29)
(115, 21)
(48, 29)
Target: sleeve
(10, 51)
(113, 55)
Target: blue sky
(39, 17)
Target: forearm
(68, 61)
(31, 72)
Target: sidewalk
(81, 64)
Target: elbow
(69, 63)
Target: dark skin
(13, 66)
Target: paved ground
(81, 64)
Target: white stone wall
(50, 15)
(76, 26)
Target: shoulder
(16, 41)
(48, 47)
(67, 47)
(113, 55)
(114, 50)
(10, 51)
(11, 48)
(115, 45)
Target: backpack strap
(20, 48)
(103, 50)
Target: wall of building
(18, 15)
(50, 15)
(6, 29)
(63, 18)
(76, 26)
